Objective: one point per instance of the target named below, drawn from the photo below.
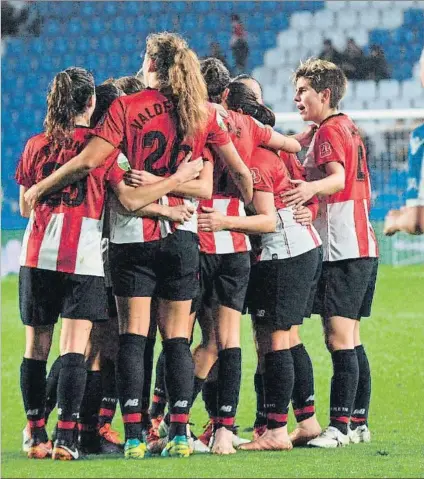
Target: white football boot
(330, 438)
(360, 434)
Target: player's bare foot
(223, 442)
(272, 440)
(305, 431)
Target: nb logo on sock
(111, 400)
(260, 313)
(226, 408)
(32, 412)
(181, 404)
(310, 398)
(131, 402)
(359, 411)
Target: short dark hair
(105, 95)
(129, 84)
(321, 75)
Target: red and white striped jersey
(65, 229)
(343, 222)
(246, 134)
(271, 175)
(143, 127)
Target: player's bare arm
(305, 190)
(264, 221)
(409, 219)
(283, 142)
(179, 214)
(24, 207)
(239, 172)
(91, 157)
(135, 198)
(201, 187)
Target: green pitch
(394, 340)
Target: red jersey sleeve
(217, 129)
(25, 173)
(262, 171)
(260, 133)
(207, 155)
(112, 126)
(328, 146)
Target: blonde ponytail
(178, 71)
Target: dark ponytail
(217, 78)
(241, 97)
(68, 97)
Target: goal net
(386, 137)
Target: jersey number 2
(157, 138)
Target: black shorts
(167, 268)
(45, 295)
(280, 290)
(346, 288)
(224, 279)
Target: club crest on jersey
(325, 149)
(221, 122)
(255, 175)
(123, 162)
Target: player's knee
(336, 341)
(38, 344)
(294, 337)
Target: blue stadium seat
(75, 27)
(402, 71)
(380, 37)
(52, 28)
(110, 8)
(255, 22)
(119, 25)
(87, 8)
(275, 23)
(213, 22)
(179, 7)
(64, 9)
(201, 7)
(131, 8)
(414, 17)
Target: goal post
(386, 137)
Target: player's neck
(82, 120)
(326, 114)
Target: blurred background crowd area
(377, 43)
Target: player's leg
(177, 287)
(262, 339)
(303, 400)
(33, 388)
(346, 287)
(51, 387)
(230, 289)
(110, 441)
(70, 389)
(359, 431)
(39, 303)
(88, 439)
(279, 380)
(280, 293)
(134, 282)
